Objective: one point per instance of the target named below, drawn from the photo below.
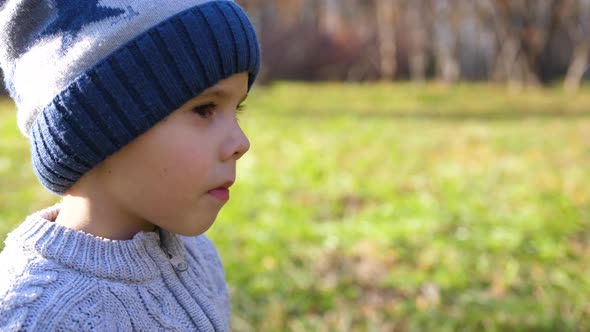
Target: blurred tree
(386, 14)
(575, 17)
(446, 20)
(519, 40)
(522, 42)
(330, 16)
(417, 18)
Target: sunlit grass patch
(395, 207)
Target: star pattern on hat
(74, 15)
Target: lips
(222, 192)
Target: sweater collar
(134, 260)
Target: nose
(237, 143)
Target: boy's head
(175, 176)
(91, 76)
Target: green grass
(395, 208)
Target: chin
(194, 231)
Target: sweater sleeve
(21, 286)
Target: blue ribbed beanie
(88, 76)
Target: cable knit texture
(57, 279)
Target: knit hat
(88, 76)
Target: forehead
(236, 84)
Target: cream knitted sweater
(56, 279)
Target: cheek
(180, 166)
(166, 167)
(175, 167)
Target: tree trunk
(445, 36)
(578, 27)
(418, 40)
(386, 38)
(577, 68)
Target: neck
(94, 215)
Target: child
(130, 109)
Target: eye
(205, 110)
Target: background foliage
(521, 42)
(400, 207)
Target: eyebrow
(220, 93)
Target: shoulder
(39, 295)
(21, 284)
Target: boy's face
(176, 175)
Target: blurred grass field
(394, 208)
